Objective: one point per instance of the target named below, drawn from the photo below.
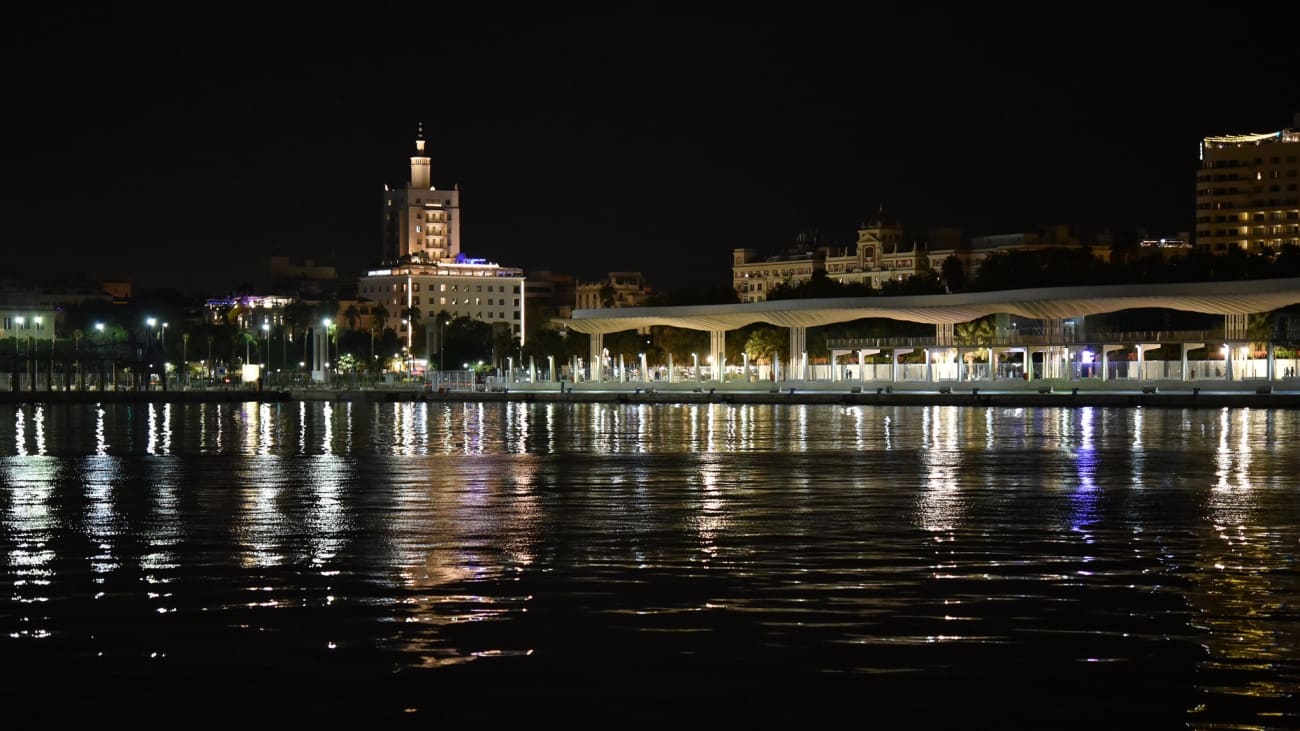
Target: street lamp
(31, 347)
(266, 337)
(442, 342)
(99, 361)
(162, 347)
(152, 322)
(326, 323)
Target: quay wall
(1040, 393)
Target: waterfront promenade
(1284, 393)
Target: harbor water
(623, 565)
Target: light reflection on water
(1140, 554)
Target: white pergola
(1234, 300)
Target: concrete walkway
(1207, 394)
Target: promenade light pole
(328, 324)
(49, 380)
(99, 370)
(442, 342)
(32, 347)
(19, 320)
(162, 347)
(152, 322)
(408, 355)
(266, 338)
(76, 362)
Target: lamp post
(266, 338)
(326, 323)
(162, 347)
(442, 342)
(31, 348)
(19, 320)
(152, 322)
(406, 349)
(76, 361)
(99, 328)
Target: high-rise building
(424, 273)
(1248, 191)
(421, 223)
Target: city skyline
(185, 155)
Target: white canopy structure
(1216, 298)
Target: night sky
(180, 150)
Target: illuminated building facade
(622, 289)
(421, 223)
(1248, 191)
(424, 269)
(472, 288)
(880, 254)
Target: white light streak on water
(38, 421)
(101, 440)
(20, 431)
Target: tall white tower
(420, 221)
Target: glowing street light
(266, 338)
(328, 324)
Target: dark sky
(182, 149)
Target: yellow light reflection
(940, 506)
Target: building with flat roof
(1248, 191)
(473, 288)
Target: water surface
(623, 565)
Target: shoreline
(1036, 395)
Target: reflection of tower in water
(462, 534)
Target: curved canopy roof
(1215, 298)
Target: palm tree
(380, 315)
(352, 314)
(1259, 327)
(975, 332)
(765, 343)
(979, 333)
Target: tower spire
(419, 161)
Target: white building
(470, 288)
